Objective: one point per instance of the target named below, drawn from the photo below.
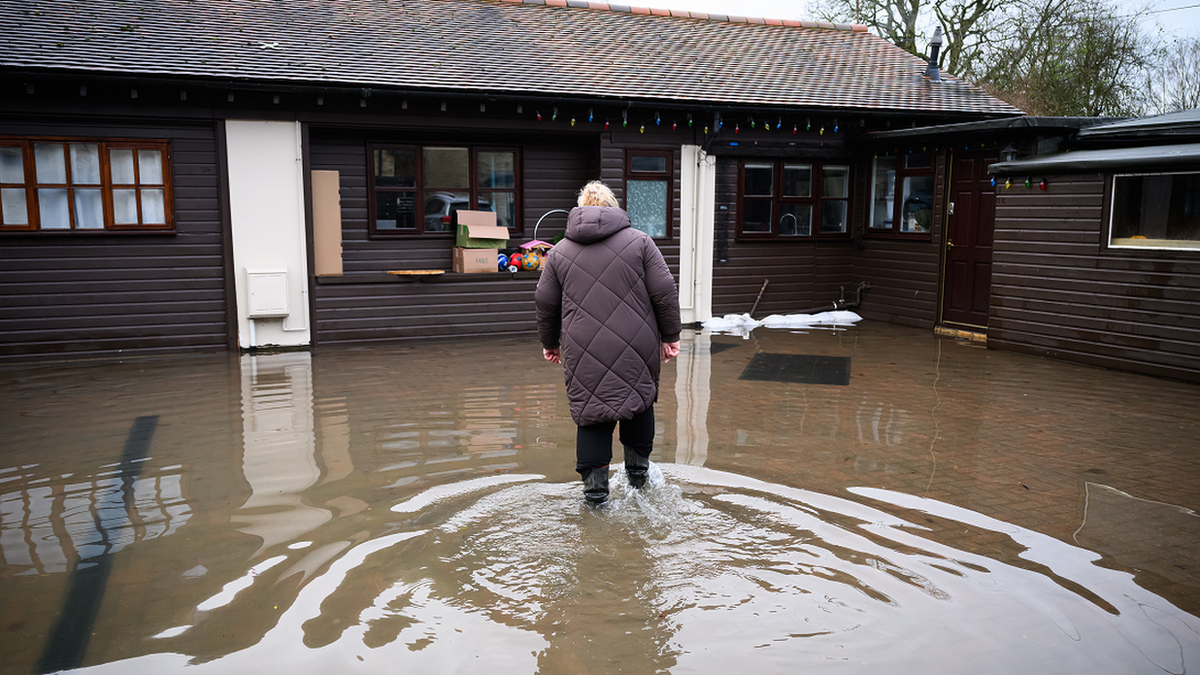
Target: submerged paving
(414, 507)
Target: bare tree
(1049, 57)
(1173, 82)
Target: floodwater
(943, 508)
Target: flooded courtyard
(871, 498)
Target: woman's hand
(669, 351)
(553, 356)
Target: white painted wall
(697, 198)
(266, 200)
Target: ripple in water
(702, 572)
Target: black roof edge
(989, 126)
(366, 91)
(1144, 158)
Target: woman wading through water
(608, 311)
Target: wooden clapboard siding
(79, 295)
(367, 305)
(1057, 291)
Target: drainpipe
(935, 45)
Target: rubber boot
(636, 468)
(595, 485)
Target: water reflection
(278, 459)
(697, 574)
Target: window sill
(446, 277)
(898, 236)
(1154, 244)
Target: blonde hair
(596, 193)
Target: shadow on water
(696, 574)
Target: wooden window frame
(105, 186)
(667, 175)
(902, 171)
(419, 190)
(778, 199)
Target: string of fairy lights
(768, 123)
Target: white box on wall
(268, 293)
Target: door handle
(949, 244)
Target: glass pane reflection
(53, 207)
(125, 207)
(89, 210)
(120, 162)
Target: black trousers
(593, 443)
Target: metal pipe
(760, 294)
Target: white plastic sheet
(742, 324)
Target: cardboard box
(475, 260)
(478, 229)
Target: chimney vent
(935, 45)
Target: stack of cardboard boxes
(478, 239)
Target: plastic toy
(531, 261)
(502, 261)
(515, 260)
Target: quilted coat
(606, 299)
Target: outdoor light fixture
(1009, 153)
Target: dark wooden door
(967, 279)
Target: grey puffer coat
(606, 290)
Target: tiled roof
(520, 47)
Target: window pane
(12, 170)
(153, 211)
(496, 169)
(883, 193)
(505, 206)
(396, 210)
(796, 220)
(644, 163)
(121, 164)
(89, 210)
(150, 167)
(797, 180)
(918, 160)
(1162, 211)
(396, 168)
(440, 208)
(916, 211)
(835, 181)
(646, 203)
(13, 209)
(52, 204)
(51, 168)
(756, 215)
(85, 164)
(447, 168)
(125, 207)
(759, 180)
(833, 216)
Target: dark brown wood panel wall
(802, 275)
(380, 308)
(1057, 291)
(85, 295)
(903, 273)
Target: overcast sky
(1176, 17)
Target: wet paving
(865, 498)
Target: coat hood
(590, 224)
